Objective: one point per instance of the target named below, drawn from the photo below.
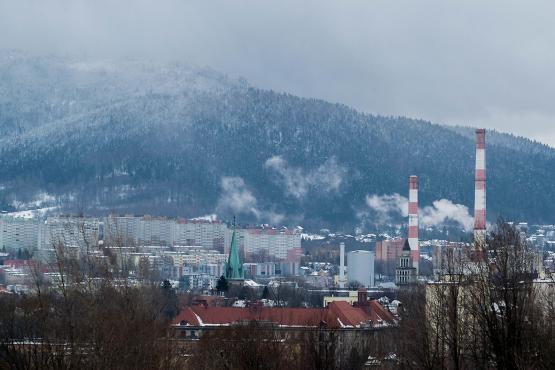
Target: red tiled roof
(337, 314)
(19, 263)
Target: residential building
(18, 233)
(387, 255)
(363, 315)
(209, 234)
(262, 245)
(69, 231)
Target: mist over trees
(165, 139)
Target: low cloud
(236, 198)
(388, 207)
(297, 182)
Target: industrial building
(360, 268)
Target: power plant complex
(399, 249)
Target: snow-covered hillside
(178, 139)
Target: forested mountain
(180, 140)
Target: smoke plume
(444, 210)
(297, 182)
(387, 207)
(236, 198)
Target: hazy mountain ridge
(519, 143)
(181, 140)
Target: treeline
(86, 314)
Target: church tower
(234, 268)
(405, 273)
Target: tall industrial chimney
(413, 221)
(342, 265)
(480, 188)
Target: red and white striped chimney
(480, 187)
(413, 221)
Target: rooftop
(336, 315)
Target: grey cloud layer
(462, 62)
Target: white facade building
(148, 230)
(18, 233)
(155, 230)
(214, 235)
(280, 245)
(80, 232)
(122, 231)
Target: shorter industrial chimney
(342, 265)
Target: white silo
(360, 267)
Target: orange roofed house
(341, 316)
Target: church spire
(234, 267)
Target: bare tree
(502, 300)
(85, 316)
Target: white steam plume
(441, 211)
(297, 182)
(237, 198)
(388, 206)
(444, 210)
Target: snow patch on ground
(312, 237)
(41, 200)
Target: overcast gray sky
(477, 63)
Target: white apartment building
(280, 245)
(122, 231)
(81, 232)
(213, 235)
(18, 233)
(148, 230)
(156, 230)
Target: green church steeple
(234, 267)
